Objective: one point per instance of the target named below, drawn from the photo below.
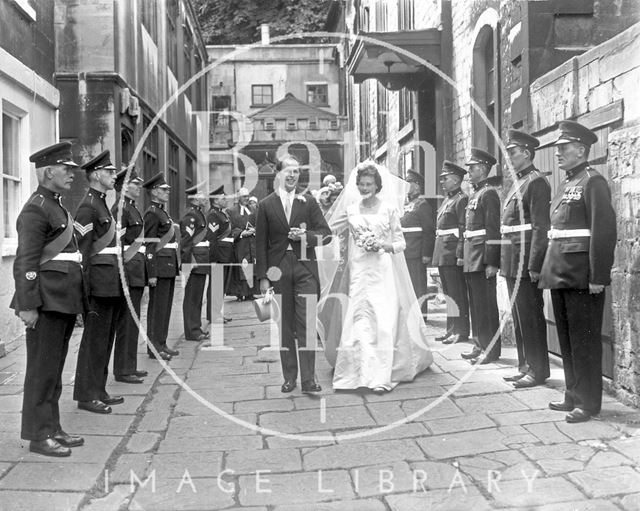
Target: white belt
(141, 250)
(473, 234)
(109, 251)
(555, 234)
(202, 244)
(412, 229)
(172, 245)
(508, 229)
(444, 232)
(75, 257)
(227, 240)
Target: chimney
(264, 29)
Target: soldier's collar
(480, 184)
(525, 171)
(571, 173)
(129, 200)
(454, 192)
(45, 192)
(157, 204)
(96, 193)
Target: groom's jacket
(272, 231)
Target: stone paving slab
(310, 420)
(502, 465)
(51, 476)
(536, 492)
(454, 424)
(198, 464)
(227, 443)
(439, 500)
(607, 482)
(463, 444)
(180, 495)
(345, 505)
(88, 423)
(35, 500)
(274, 460)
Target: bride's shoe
(379, 390)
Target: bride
(369, 319)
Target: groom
(288, 227)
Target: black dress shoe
(201, 337)
(288, 386)
(68, 440)
(442, 337)
(452, 339)
(49, 447)
(561, 406)
(226, 320)
(311, 388)
(94, 406)
(129, 378)
(112, 400)
(141, 374)
(525, 382)
(169, 351)
(162, 354)
(474, 353)
(578, 415)
(515, 377)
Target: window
(172, 39)
(173, 160)
(11, 178)
(150, 150)
(149, 18)
(381, 16)
(365, 121)
(405, 107)
(188, 174)
(383, 107)
(198, 82)
(318, 94)
(188, 48)
(261, 95)
(126, 139)
(406, 15)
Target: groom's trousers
(296, 282)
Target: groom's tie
(287, 207)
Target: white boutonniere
(301, 198)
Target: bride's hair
(368, 168)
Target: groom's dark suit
(298, 272)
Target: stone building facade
(521, 64)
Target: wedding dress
(370, 323)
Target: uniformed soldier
(194, 247)
(418, 228)
(449, 249)
(220, 248)
(482, 257)
(577, 267)
(49, 293)
(96, 230)
(525, 223)
(163, 264)
(129, 219)
(243, 221)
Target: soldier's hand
(534, 276)
(426, 261)
(29, 318)
(595, 289)
(490, 272)
(460, 262)
(264, 285)
(153, 281)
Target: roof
(292, 107)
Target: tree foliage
(238, 21)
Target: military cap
(102, 161)
(571, 131)
(481, 156)
(217, 193)
(133, 176)
(414, 177)
(156, 181)
(517, 138)
(56, 154)
(448, 167)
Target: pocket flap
(574, 246)
(59, 266)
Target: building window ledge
(24, 7)
(381, 151)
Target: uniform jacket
(161, 262)
(583, 201)
(535, 195)
(451, 215)
(272, 230)
(55, 285)
(483, 212)
(93, 221)
(193, 227)
(219, 226)
(418, 215)
(131, 229)
(245, 248)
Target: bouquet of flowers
(366, 239)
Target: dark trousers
(125, 350)
(578, 316)
(484, 311)
(530, 328)
(192, 305)
(95, 347)
(455, 288)
(159, 311)
(418, 274)
(47, 346)
(296, 281)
